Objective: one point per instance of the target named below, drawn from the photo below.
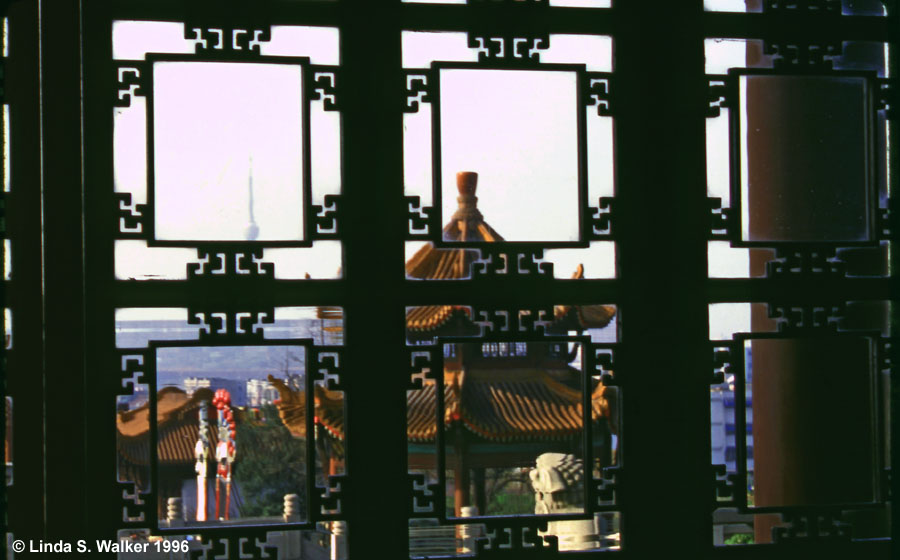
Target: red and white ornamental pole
(201, 452)
(225, 449)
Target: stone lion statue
(558, 482)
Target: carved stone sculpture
(558, 482)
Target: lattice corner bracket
(605, 490)
(885, 218)
(824, 6)
(511, 540)
(509, 49)
(720, 94)
(230, 262)
(725, 487)
(811, 525)
(424, 496)
(327, 218)
(807, 55)
(422, 219)
(228, 326)
(326, 87)
(135, 504)
(806, 261)
(131, 217)
(135, 370)
(130, 82)
(505, 324)
(417, 84)
(885, 360)
(422, 366)
(600, 219)
(887, 97)
(512, 262)
(791, 319)
(230, 40)
(245, 545)
(722, 357)
(720, 220)
(598, 92)
(602, 364)
(328, 367)
(327, 500)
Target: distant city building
(260, 392)
(723, 421)
(237, 388)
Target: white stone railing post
(174, 512)
(291, 508)
(468, 533)
(292, 544)
(338, 540)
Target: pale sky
(260, 102)
(724, 261)
(725, 5)
(215, 126)
(518, 131)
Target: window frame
(65, 300)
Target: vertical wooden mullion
(373, 226)
(24, 375)
(661, 192)
(100, 289)
(894, 268)
(63, 287)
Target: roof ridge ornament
(466, 184)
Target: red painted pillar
(813, 407)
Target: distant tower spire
(252, 230)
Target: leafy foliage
(511, 504)
(508, 492)
(269, 463)
(740, 538)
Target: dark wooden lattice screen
(63, 218)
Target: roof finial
(252, 230)
(466, 182)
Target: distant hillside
(137, 334)
(174, 364)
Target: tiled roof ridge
(165, 416)
(292, 408)
(430, 317)
(469, 418)
(553, 419)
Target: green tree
(740, 538)
(269, 463)
(508, 492)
